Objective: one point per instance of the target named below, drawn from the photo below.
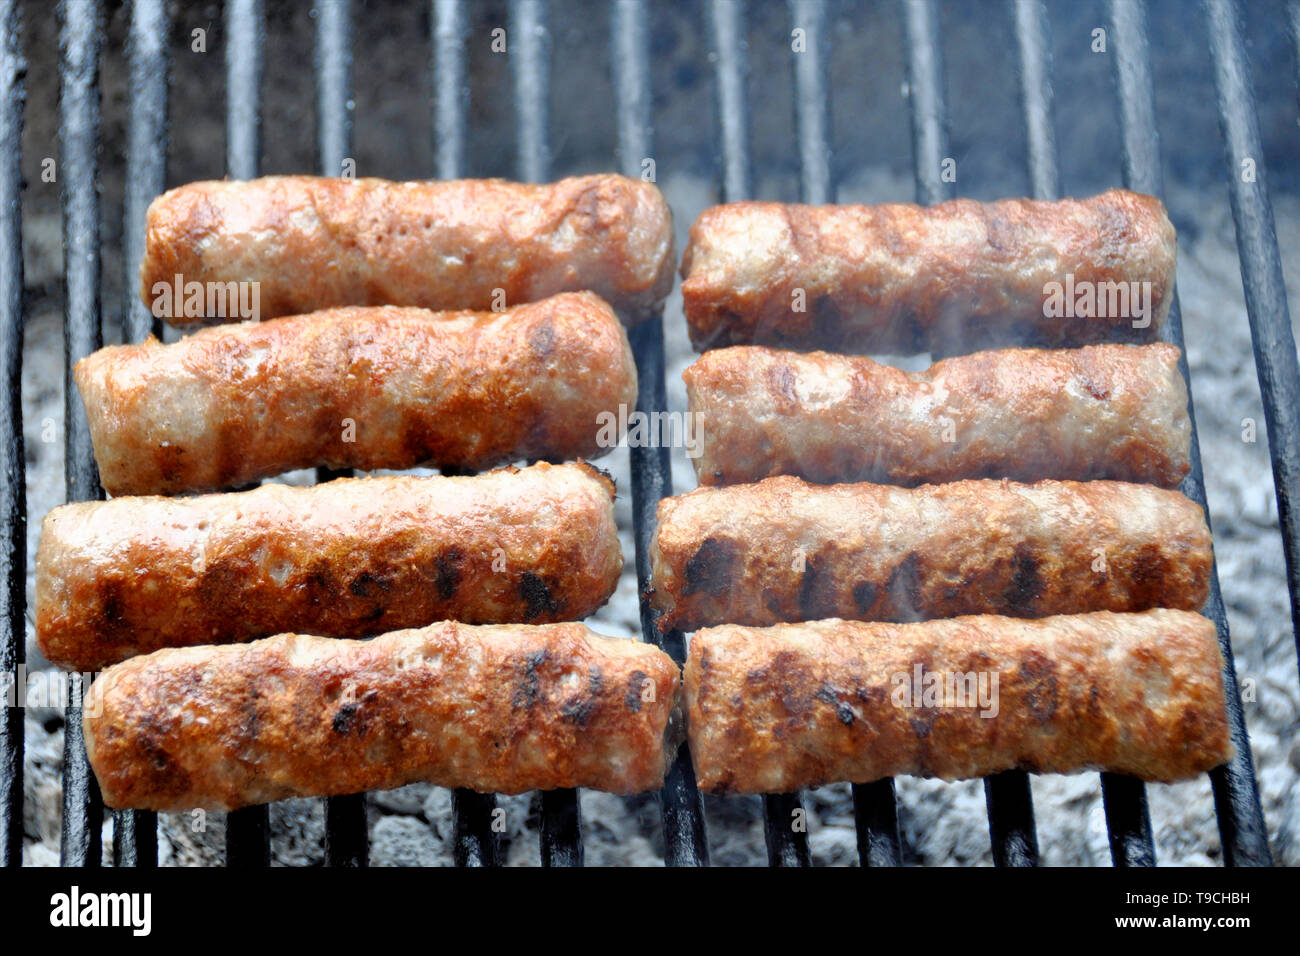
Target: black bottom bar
(1011, 827)
(785, 824)
(1128, 820)
(561, 828)
(476, 843)
(347, 841)
(685, 842)
(1241, 825)
(83, 808)
(248, 837)
(875, 810)
(135, 838)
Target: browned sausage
(505, 709)
(314, 243)
(1103, 411)
(783, 550)
(347, 558)
(771, 710)
(359, 387)
(956, 276)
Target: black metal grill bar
(1007, 795)
(1036, 96)
(1293, 17)
(784, 819)
(875, 804)
(80, 30)
(346, 837)
(1128, 821)
(1031, 35)
(1236, 796)
(728, 50)
(135, 832)
(248, 838)
(529, 46)
(146, 154)
(474, 842)
(685, 842)
(812, 100)
(13, 488)
(1261, 275)
(923, 57)
(245, 28)
(450, 89)
(529, 43)
(333, 59)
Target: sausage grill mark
(864, 595)
(904, 587)
(636, 683)
(709, 571)
(529, 683)
(344, 718)
(579, 709)
(1039, 674)
(366, 585)
(448, 565)
(537, 596)
(816, 593)
(1026, 581)
(541, 339)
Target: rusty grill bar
(1008, 795)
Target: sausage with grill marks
(315, 243)
(771, 710)
(502, 709)
(784, 550)
(956, 276)
(348, 558)
(359, 387)
(1101, 411)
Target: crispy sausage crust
(898, 278)
(315, 243)
(800, 705)
(347, 558)
(358, 387)
(784, 550)
(1102, 411)
(498, 709)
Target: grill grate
(1008, 795)
(79, 45)
(135, 833)
(13, 497)
(476, 843)
(1236, 796)
(248, 842)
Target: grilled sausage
(959, 275)
(800, 705)
(314, 243)
(358, 387)
(497, 709)
(348, 558)
(783, 550)
(1103, 411)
